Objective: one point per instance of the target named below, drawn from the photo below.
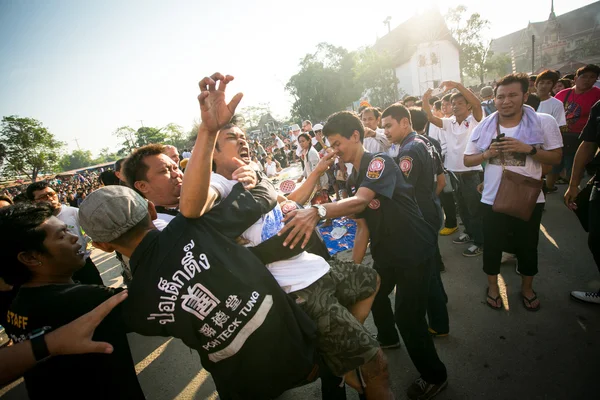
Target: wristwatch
(533, 151)
(321, 211)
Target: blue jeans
(469, 204)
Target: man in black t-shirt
(191, 282)
(590, 137)
(401, 240)
(40, 256)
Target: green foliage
(77, 159)
(498, 65)
(252, 114)
(172, 134)
(27, 148)
(375, 76)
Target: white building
(423, 52)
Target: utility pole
(532, 54)
(387, 23)
(76, 140)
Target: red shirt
(578, 107)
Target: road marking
(10, 387)
(190, 390)
(151, 357)
(550, 238)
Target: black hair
(397, 112)
(532, 77)
(438, 105)
(433, 99)
(418, 118)
(118, 164)
(569, 76)
(34, 187)
(108, 178)
(20, 198)
(547, 75)
(409, 98)
(457, 95)
(533, 101)
(447, 97)
(588, 68)
(521, 78)
(20, 232)
(375, 111)
(307, 137)
(344, 123)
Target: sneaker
(421, 390)
(389, 345)
(506, 257)
(448, 231)
(462, 239)
(437, 334)
(473, 251)
(588, 297)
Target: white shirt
(456, 142)
(436, 133)
(377, 144)
(70, 216)
(555, 108)
(519, 163)
(292, 274)
(310, 163)
(271, 168)
(162, 220)
(186, 154)
(279, 143)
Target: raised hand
(214, 112)
(244, 174)
(326, 162)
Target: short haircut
(447, 98)
(588, 68)
(514, 78)
(135, 169)
(21, 198)
(433, 99)
(344, 123)
(307, 137)
(419, 103)
(419, 119)
(567, 83)
(533, 77)
(375, 111)
(547, 75)
(438, 105)
(569, 76)
(307, 122)
(20, 231)
(118, 164)
(457, 95)
(410, 98)
(6, 199)
(533, 100)
(397, 112)
(108, 178)
(34, 187)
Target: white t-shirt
(279, 143)
(70, 216)
(519, 163)
(456, 142)
(271, 168)
(292, 274)
(162, 220)
(436, 133)
(377, 144)
(555, 108)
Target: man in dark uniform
(590, 136)
(401, 240)
(420, 164)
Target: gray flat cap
(109, 212)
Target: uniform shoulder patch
(406, 164)
(374, 204)
(376, 167)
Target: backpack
(489, 107)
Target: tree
(497, 65)
(325, 83)
(128, 136)
(252, 115)
(147, 135)
(106, 156)
(375, 76)
(27, 148)
(77, 159)
(176, 136)
(468, 32)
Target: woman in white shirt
(311, 158)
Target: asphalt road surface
(492, 355)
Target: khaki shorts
(344, 343)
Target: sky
(85, 68)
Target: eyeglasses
(46, 196)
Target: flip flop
(527, 303)
(495, 300)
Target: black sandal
(527, 302)
(495, 300)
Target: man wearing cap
(193, 283)
(294, 139)
(487, 100)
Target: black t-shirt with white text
(400, 237)
(591, 133)
(84, 376)
(193, 283)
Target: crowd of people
(214, 255)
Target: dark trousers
(447, 200)
(502, 231)
(594, 225)
(88, 274)
(469, 204)
(412, 294)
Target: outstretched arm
(427, 108)
(469, 96)
(302, 194)
(196, 196)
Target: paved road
(551, 354)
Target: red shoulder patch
(376, 167)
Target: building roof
(265, 119)
(583, 20)
(401, 42)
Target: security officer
(401, 241)
(421, 165)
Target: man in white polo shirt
(457, 130)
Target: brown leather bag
(517, 194)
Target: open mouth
(244, 154)
(80, 251)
